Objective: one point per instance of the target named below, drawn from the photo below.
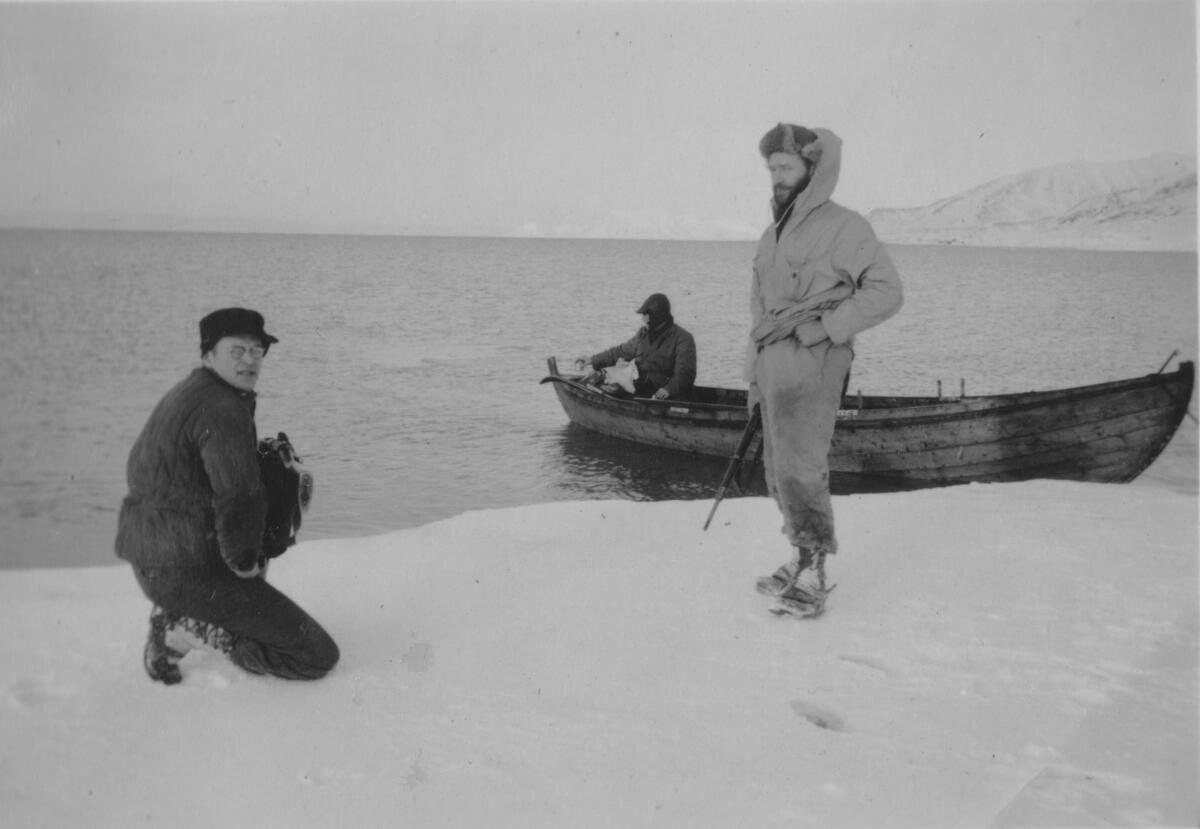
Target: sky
(493, 118)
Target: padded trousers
(271, 634)
(799, 389)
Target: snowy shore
(994, 655)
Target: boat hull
(1109, 432)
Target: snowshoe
(807, 567)
(802, 602)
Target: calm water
(407, 372)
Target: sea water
(407, 369)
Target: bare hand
(662, 394)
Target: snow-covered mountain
(1144, 204)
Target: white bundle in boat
(623, 375)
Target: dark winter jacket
(665, 358)
(195, 495)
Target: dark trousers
(271, 634)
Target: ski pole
(752, 426)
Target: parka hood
(826, 160)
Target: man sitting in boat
(664, 353)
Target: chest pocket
(792, 277)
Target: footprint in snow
(416, 775)
(884, 667)
(34, 692)
(330, 777)
(819, 716)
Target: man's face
(787, 171)
(236, 360)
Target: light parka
(823, 274)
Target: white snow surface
(994, 655)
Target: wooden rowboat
(1108, 432)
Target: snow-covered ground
(994, 655)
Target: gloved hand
(753, 397)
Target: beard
(784, 195)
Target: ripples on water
(407, 372)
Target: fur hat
(793, 139)
(230, 322)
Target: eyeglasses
(256, 352)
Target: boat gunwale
(854, 419)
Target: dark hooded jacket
(195, 494)
(665, 354)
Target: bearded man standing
(820, 277)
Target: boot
(161, 660)
(184, 634)
(785, 577)
(808, 590)
(780, 580)
(171, 637)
